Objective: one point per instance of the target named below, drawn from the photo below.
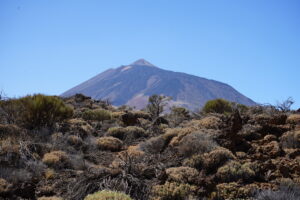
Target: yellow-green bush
(36, 111)
(107, 195)
(173, 191)
(217, 106)
(98, 114)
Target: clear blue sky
(49, 46)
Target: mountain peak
(142, 62)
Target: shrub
(182, 174)
(49, 173)
(217, 106)
(159, 143)
(98, 115)
(196, 161)
(178, 115)
(74, 140)
(107, 195)
(128, 132)
(234, 171)
(294, 119)
(291, 139)
(37, 111)
(55, 158)
(4, 186)
(210, 122)
(109, 143)
(196, 143)
(50, 198)
(153, 145)
(173, 191)
(217, 158)
(231, 191)
(134, 132)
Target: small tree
(285, 106)
(156, 105)
(178, 115)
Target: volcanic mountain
(133, 84)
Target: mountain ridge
(132, 85)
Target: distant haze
(133, 84)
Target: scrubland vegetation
(81, 149)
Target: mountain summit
(143, 62)
(132, 85)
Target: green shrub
(98, 114)
(107, 195)
(36, 111)
(217, 106)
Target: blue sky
(49, 46)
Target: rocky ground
(254, 154)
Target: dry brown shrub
(290, 139)
(55, 158)
(171, 190)
(196, 143)
(182, 174)
(9, 145)
(234, 171)
(293, 119)
(210, 122)
(109, 143)
(50, 198)
(217, 158)
(74, 140)
(4, 186)
(129, 132)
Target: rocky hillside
(79, 148)
(133, 84)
